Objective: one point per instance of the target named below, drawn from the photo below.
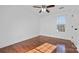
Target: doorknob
(75, 28)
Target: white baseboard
(55, 36)
(10, 43)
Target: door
(75, 30)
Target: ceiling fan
(44, 8)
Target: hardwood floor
(32, 43)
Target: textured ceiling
(69, 9)
(34, 12)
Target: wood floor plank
(32, 43)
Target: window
(61, 24)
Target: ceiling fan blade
(47, 11)
(36, 7)
(61, 7)
(40, 11)
(50, 6)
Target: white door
(75, 30)
(75, 36)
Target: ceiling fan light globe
(43, 9)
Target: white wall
(17, 23)
(48, 26)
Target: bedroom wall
(49, 28)
(17, 23)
